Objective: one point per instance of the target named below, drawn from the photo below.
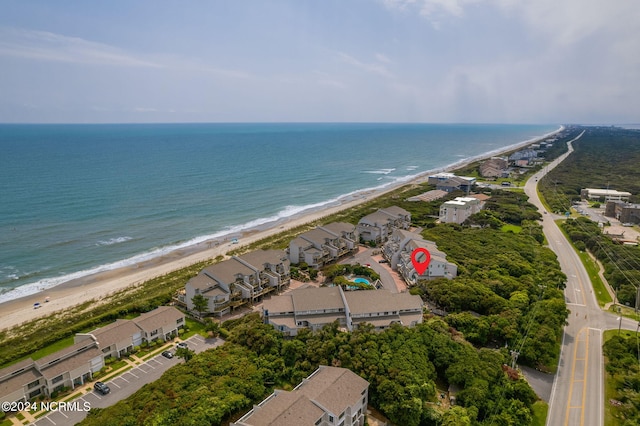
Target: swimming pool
(361, 281)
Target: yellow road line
(584, 387)
(572, 380)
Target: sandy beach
(99, 285)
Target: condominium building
(398, 251)
(75, 365)
(239, 280)
(379, 225)
(323, 244)
(330, 396)
(314, 308)
(459, 209)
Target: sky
(435, 61)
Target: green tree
(200, 303)
(185, 353)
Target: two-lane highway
(577, 396)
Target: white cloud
(382, 58)
(373, 68)
(46, 46)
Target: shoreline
(98, 285)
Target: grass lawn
(511, 228)
(194, 328)
(599, 287)
(540, 410)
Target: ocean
(80, 199)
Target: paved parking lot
(122, 386)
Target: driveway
(122, 386)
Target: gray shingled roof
(155, 319)
(10, 383)
(340, 227)
(115, 332)
(361, 302)
(259, 258)
(201, 281)
(311, 299)
(227, 270)
(79, 358)
(334, 388)
(396, 211)
(317, 236)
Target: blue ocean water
(78, 199)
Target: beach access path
(96, 287)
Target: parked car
(383, 261)
(167, 354)
(101, 388)
(182, 345)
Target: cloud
(46, 46)
(372, 68)
(382, 58)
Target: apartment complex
(314, 308)
(324, 244)
(398, 252)
(379, 225)
(75, 365)
(494, 167)
(459, 209)
(239, 280)
(330, 396)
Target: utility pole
(514, 358)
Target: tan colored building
(330, 396)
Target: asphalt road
(577, 396)
(122, 386)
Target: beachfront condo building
(313, 308)
(330, 396)
(239, 280)
(324, 244)
(398, 252)
(459, 209)
(378, 226)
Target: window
(318, 421)
(56, 379)
(33, 384)
(154, 332)
(330, 419)
(180, 320)
(342, 415)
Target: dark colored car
(101, 388)
(167, 354)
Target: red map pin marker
(420, 263)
